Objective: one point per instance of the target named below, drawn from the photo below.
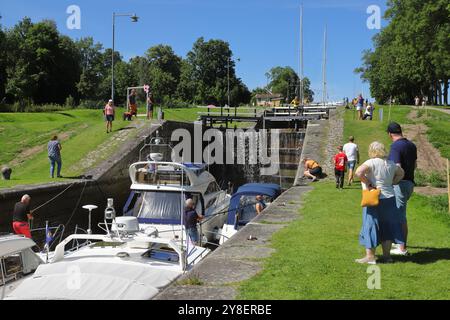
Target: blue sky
(262, 33)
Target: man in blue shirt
(54, 156)
(404, 154)
(191, 217)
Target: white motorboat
(125, 263)
(17, 261)
(158, 193)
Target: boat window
(210, 206)
(12, 265)
(212, 187)
(156, 174)
(163, 205)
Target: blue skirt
(381, 223)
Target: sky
(261, 33)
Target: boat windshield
(162, 207)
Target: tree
(411, 55)
(204, 75)
(3, 52)
(92, 68)
(285, 81)
(42, 65)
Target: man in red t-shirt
(340, 162)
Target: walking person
(340, 161)
(150, 107)
(312, 169)
(21, 215)
(54, 155)
(381, 224)
(351, 150)
(191, 217)
(109, 113)
(404, 154)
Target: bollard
(6, 173)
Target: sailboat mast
(301, 57)
(324, 75)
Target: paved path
(238, 259)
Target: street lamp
(134, 18)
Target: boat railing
(160, 173)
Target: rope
(52, 199)
(78, 203)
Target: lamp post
(134, 18)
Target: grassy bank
(24, 137)
(314, 256)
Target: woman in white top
(381, 224)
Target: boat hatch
(162, 254)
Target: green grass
(314, 256)
(19, 132)
(439, 131)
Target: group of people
(109, 110)
(364, 108)
(393, 175)
(417, 101)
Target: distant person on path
(404, 154)
(417, 101)
(369, 112)
(132, 101)
(191, 217)
(340, 161)
(351, 150)
(21, 215)
(312, 169)
(54, 155)
(260, 204)
(150, 107)
(360, 106)
(109, 115)
(381, 224)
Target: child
(340, 162)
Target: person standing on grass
(351, 150)
(340, 161)
(360, 106)
(381, 224)
(312, 169)
(54, 155)
(404, 154)
(21, 215)
(109, 113)
(150, 107)
(417, 101)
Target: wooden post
(448, 184)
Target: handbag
(370, 198)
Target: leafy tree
(92, 68)
(204, 76)
(411, 55)
(285, 81)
